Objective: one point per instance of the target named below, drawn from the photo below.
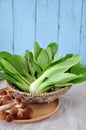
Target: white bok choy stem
(55, 74)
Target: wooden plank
(83, 33)
(47, 21)
(69, 33)
(6, 40)
(24, 15)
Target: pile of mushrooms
(12, 108)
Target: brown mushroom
(5, 99)
(13, 108)
(23, 104)
(10, 104)
(9, 118)
(7, 106)
(27, 112)
(3, 115)
(10, 93)
(20, 114)
(13, 111)
(3, 92)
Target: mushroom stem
(20, 109)
(7, 106)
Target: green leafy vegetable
(44, 56)
(5, 54)
(56, 74)
(16, 74)
(39, 71)
(34, 69)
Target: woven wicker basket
(38, 98)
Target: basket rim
(56, 91)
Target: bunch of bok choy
(39, 71)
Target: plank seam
(13, 25)
(58, 27)
(35, 19)
(81, 26)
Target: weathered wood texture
(6, 31)
(24, 21)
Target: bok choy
(38, 71)
(56, 75)
(15, 72)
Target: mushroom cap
(3, 115)
(9, 117)
(20, 114)
(13, 111)
(23, 104)
(3, 92)
(10, 93)
(27, 112)
(5, 99)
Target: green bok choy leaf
(39, 71)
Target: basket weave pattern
(39, 98)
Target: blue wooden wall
(24, 21)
